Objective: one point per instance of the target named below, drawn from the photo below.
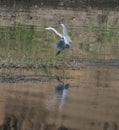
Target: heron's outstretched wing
(65, 34)
(54, 30)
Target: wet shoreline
(78, 64)
(66, 64)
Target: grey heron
(65, 41)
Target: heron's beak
(60, 22)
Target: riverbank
(94, 34)
(74, 4)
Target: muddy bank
(41, 17)
(74, 4)
(9, 73)
(67, 64)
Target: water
(77, 90)
(91, 102)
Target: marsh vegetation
(30, 71)
(32, 45)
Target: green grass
(26, 45)
(23, 40)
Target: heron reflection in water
(65, 41)
(63, 91)
(59, 96)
